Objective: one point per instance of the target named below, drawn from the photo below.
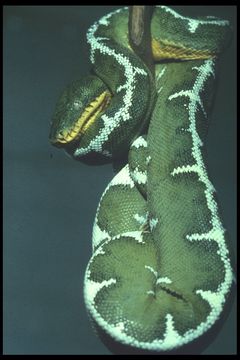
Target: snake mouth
(94, 109)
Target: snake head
(77, 109)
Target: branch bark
(139, 30)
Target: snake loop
(160, 271)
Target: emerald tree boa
(160, 272)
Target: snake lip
(91, 113)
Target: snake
(160, 271)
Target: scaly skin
(160, 272)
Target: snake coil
(160, 271)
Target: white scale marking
(171, 335)
(213, 234)
(120, 326)
(161, 73)
(140, 177)
(192, 23)
(185, 169)
(94, 287)
(150, 292)
(130, 71)
(148, 159)
(153, 223)
(171, 338)
(136, 235)
(159, 280)
(194, 97)
(215, 299)
(122, 178)
(98, 235)
(141, 219)
(164, 280)
(139, 142)
(154, 272)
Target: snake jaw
(87, 118)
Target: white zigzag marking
(153, 223)
(163, 279)
(98, 235)
(136, 235)
(120, 326)
(154, 272)
(139, 142)
(139, 176)
(194, 97)
(130, 71)
(213, 234)
(194, 23)
(141, 219)
(94, 287)
(171, 335)
(148, 159)
(161, 73)
(159, 280)
(150, 292)
(185, 169)
(172, 338)
(121, 178)
(215, 299)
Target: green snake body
(160, 272)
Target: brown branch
(139, 29)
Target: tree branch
(139, 30)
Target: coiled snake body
(160, 271)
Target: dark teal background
(50, 200)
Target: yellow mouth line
(87, 118)
(166, 50)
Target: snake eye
(87, 117)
